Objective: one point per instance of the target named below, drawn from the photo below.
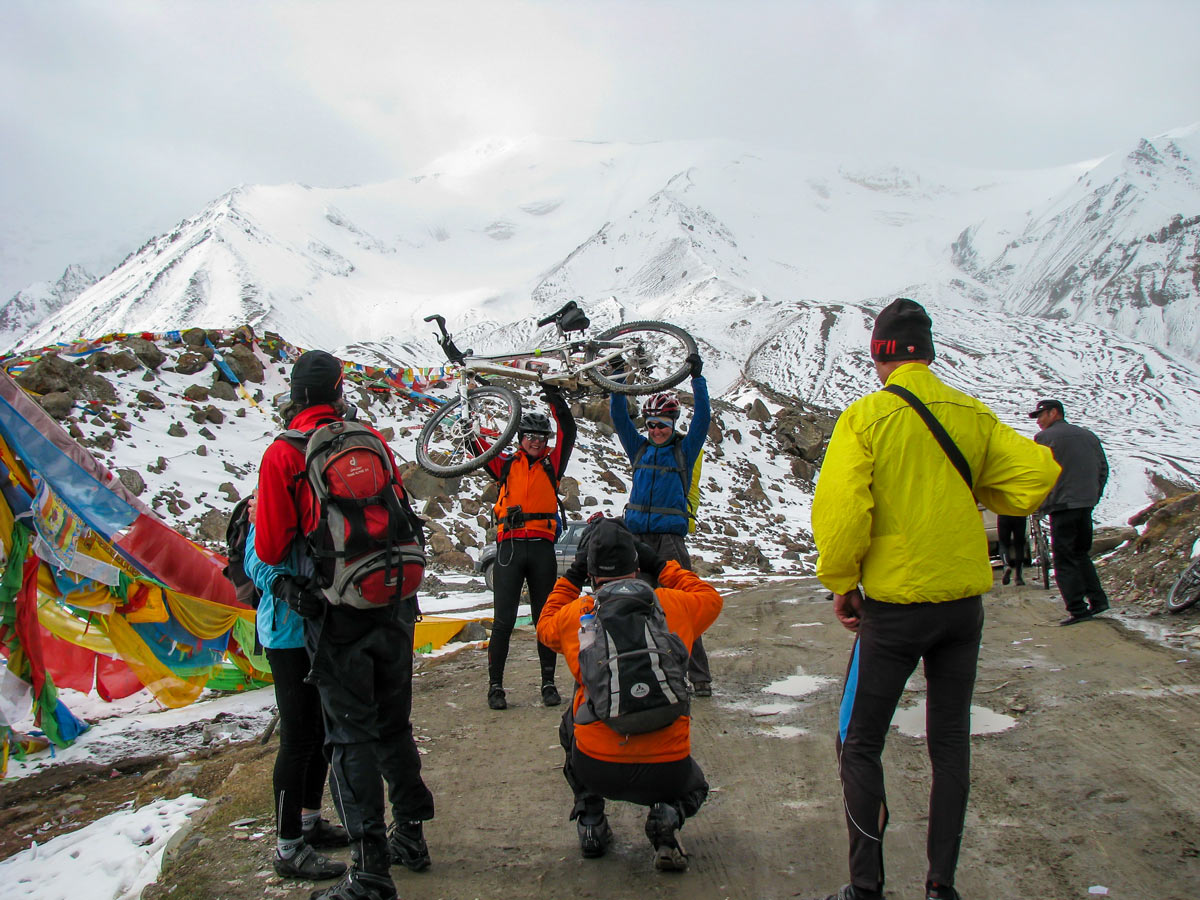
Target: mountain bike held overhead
(641, 357)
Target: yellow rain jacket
(893, 514)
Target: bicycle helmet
(533, 423)
(665, 405)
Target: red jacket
(286, 507)
(691, 606)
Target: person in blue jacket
(663, 460)
(300, 767)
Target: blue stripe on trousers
(848, 693)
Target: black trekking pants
(362, 667)
(1010, 534)
(1071, 544)
(892, 639)
(680, 782)
(520, 561)
(300, 765)
(674, 547)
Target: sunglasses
(659, 425)
(542, 438)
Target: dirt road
(1096, 784)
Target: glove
(696, 364)
(577, 574)
(301, 594)
(648, 559)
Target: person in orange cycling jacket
(655, 769)
(527, 526)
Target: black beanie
(316, 378)
(902, 331)
(610, 550)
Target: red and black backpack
(368, 546)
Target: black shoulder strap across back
(939, 431)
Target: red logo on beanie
(878, 348)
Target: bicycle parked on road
(634, 358)
(1185, 591)
(1039, 547)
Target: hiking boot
(662, 825)
(496, 697)
(308, 864)
(406, 843)
(550, 695)
(326, 834)
(1098, 608)
(940, 892)
(1008, 576)
(1020, 580)
(359, 886)
(702, 688)
(594, 839)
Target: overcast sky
(120, 118)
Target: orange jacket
(691, 606)
(528, 485)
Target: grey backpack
(635, 673)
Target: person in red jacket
(361, 660)
(655, 769)
(527, 526)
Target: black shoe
(1076, 617)
(1098, 608)
(550, 695)
(1007, 576)
(702, 688)
(496, 697)
(326, 834)
(1020, 580)
(359, 886)
(306, 863)
(940, 892)
(406, 844)
(594, 839)
(662, 826)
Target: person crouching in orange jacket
(627, 734)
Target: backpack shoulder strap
(939, 431)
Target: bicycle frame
(565, 352)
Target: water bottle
(588, 628)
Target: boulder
(245, 364)
(197, 393)
(189, 363)
(133, 481)
(150, 399)
(58, 404)
(223, 390)
(194, 337)
(211, 526)
(422, 485)
(146, 351)
(800, 434)
(50, 374)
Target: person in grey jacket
(1070, 503)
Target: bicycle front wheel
(1186, 590)
(449, 443)
(1043, 554)
(653, 357)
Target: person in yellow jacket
(902, 547)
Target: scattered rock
(245, 364)
(150, 400)
(197, 393)
(133, 481)
(58, 404)
(177, 430)
(189, 363)
(223, 390)
(146, 351)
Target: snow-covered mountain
(1078, 282)
(28, 308)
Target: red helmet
(665, 405)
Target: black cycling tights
(300, 767)
(520, 561)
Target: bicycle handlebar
(446, 342)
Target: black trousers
(300, 766)
(1071, 544)
(362, 667)
(674, 547)
(520, 561)
(1011, 535)
(679, 782)
(892, 639)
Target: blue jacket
(658, 498)
(279, 626)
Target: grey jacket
(1084, 467)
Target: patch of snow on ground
(911, 721)
(113, 858)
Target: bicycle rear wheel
(448, 443)
(1042, 551)
(1186, 590)
(654, 358)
